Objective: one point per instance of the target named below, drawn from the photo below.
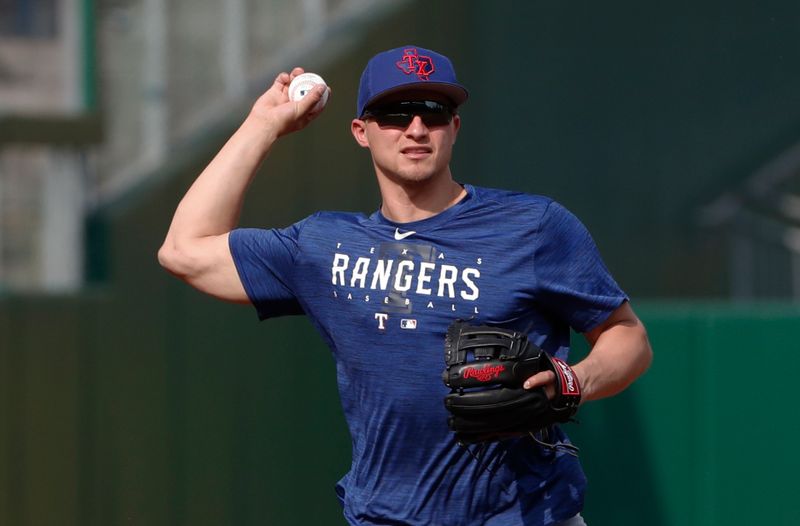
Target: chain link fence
(760, 221)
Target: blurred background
(672, 130)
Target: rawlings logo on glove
(483, 374)
(569, 385)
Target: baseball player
(384, 289)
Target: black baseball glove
(486, 367)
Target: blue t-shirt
(382, 295)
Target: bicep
(207, 265)
(620, 344)
(622, 316)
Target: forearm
(619, 355)
(213, 203)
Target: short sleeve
(571, 279)
(265, 261)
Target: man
(382, 290)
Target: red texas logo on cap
(413, 62)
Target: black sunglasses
(400, 114)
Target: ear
(456, 126)
(359, 130)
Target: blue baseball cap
(405, 68)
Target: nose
(416, 128)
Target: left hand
(546, 379)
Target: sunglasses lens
(400, 114)
(437, 119)
(394, 119)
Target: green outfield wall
(140, 401)
(702, 438)
(173, 410)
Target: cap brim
(455, 92)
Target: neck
(404, 202)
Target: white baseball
(303, 84)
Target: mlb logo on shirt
(408, 324)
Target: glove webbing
(482, 341)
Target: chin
(417, 173)
(411, 174)
(414, 177)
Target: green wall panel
(207, 426)
(701, 439)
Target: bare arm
(196, 246)
(620, 353)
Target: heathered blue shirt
(382, 295)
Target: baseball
(304, 83)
